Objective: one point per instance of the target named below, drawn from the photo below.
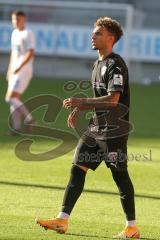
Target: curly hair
(111, 25)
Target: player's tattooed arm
(105, 102)
(72, 118)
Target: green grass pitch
(29, 189)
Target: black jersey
(110, 75)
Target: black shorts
(90, 152)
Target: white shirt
(21, 42)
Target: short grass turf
(29, 189)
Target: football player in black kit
(105, 139)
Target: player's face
(18, 21)
(101, 38)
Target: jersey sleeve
(116, 78)
(30, 40)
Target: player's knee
(85, 169)
(10, 96)
(120, 177)
(77, 176)
(15, 95)
(77, 171)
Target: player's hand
(71, 121)
(17, 70)
(72, 102)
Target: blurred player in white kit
(20, 70)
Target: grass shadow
(87, 235)
(63, 188)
